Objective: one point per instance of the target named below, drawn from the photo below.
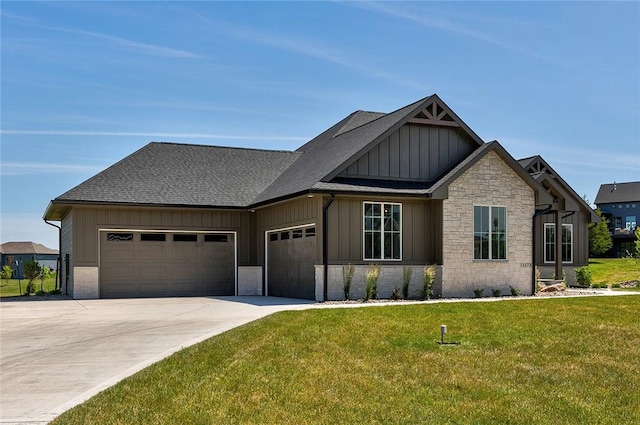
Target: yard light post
(443, 330)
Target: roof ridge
(218, 146)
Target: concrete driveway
(56, 354)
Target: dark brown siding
(87, 221)
(580, 237)
(414, 152)
(421, 230)
(288, 214)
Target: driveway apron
(57, 354)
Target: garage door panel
(153, 268)
(291, 263)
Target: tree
(31, 270)
(599, 236)
(45, 273)
(6, 272)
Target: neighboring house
(412, 187)
(15, 254)
(620, 204)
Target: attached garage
(138, 263)
(291, 259)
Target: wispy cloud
(445, 24)
(149, 134)
(30, 168)
(144, 48)
(305, 47)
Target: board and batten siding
(413, 152)
(88, 220)
(292, 213)
(580, 222)
(421, 230)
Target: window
(284, 236)
(310, 232)
(630, 222)
(216, 238)
(273, 237)
(489, 233)
(550, 241)
(119, 236)
(297, 233)
(382, 231)
(181, 237)
(156, 237)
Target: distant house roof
(611, 193)
(25, 248)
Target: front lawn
(550, 361)
(614, 270)
(11, 287)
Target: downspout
(325, 248)
(533, 240)
(59, 261)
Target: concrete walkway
(57, 354)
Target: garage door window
(124, 237)
(310, 232)
(153, 237)
(216, 238)
(181, 237)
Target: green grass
(614, 270)
(552, 361)
(10, 287)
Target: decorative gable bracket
(434, 114)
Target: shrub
(31, 272)
(496, 292)
(429, 275)
(583, 276)
(616, 285)
(478, 292)
(371, 291)
(515, 292)
(396, 294)
(347, 277)
(599, 285)
(407, 273)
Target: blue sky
(86, 83)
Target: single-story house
(400, 190)
(15, 254)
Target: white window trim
(381, 203)
(506, 233)
(544, 243)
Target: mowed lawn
(614, 270)
(542, 361)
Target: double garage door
(291, 259)
(165, 264)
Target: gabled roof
(184, 175)
(333, 151)
(542, 172)
(25, 248)
(611, 193)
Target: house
(15, 254)
(620, 204)
(403, 189)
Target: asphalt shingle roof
(25, 248)
(190, 175)
(624, 192)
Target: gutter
(59, 261)
(533, 241)
(325, 248)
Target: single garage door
(166, 264)
(291, 258)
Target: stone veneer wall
(390, 276)
(490, 181)
(85, 283)
(249, 280)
